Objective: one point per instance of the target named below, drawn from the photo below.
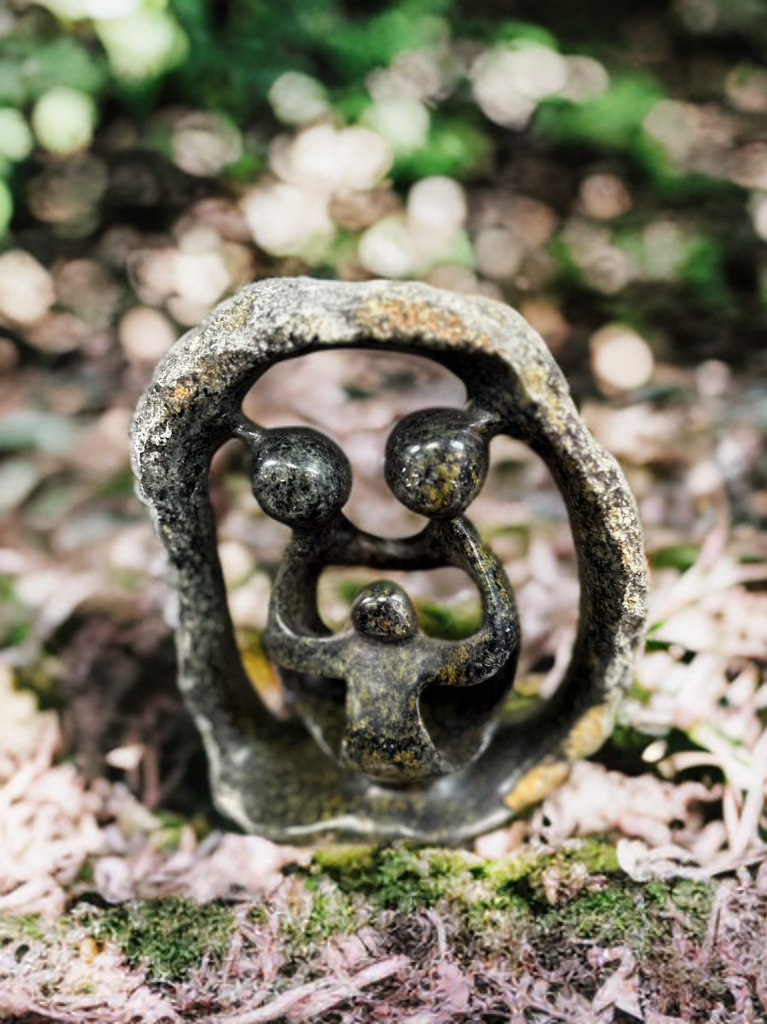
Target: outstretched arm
(296, 637)
(465, 662)
(322, 655)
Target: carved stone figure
(393, 733)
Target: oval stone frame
(269, 775)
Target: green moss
(168, 936)
(491, 928)
(390, 883)
(576, 893)
(612, 916)
(536, 875)
(487, 899)
(27, 927)
(541, 900)
(692, 900)
(327, 912)
(167, 837)
(636, 914)
(597, 855)
(397, 877)
(405, 877)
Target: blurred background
(604, 172)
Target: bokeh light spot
(64, 119)
(26, 287)
(16, 139)
(404, 123)
(298, 99)
(204, 144)
(143, 44)
(621, 359)
(604, 196)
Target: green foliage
(27, 927)
(692, 899)
(456, 148)
(33, 68)
(448, 623)
(703, 271)
(38, 430)
(523, 32)
(15, 617)
(349, 588)
(119, 485)
(634, 914)
(609, 121)
(331, 914)
(231, 66)
(168, 936)
(626, 744)
(32, 65)
(617, 914)
(534, 876)
(675, 556)
(6, 204)
(356, 47)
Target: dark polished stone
(300, 477)
(383, 611)
(436, 461)
(391, 733)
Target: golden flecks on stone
(589, 732)
(235, 314)
(537, 784)
(406, 758)
(383, 318)
(534, 379)
(179, 396)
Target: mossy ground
(578, 891)
(169, 937)
(538, 913)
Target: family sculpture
(390, 733)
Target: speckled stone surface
(394, 734)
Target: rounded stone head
(436, 462)
(383, 611)
(300, 477)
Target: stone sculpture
(393, 734)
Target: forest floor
(635, 891)
(633, 239)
